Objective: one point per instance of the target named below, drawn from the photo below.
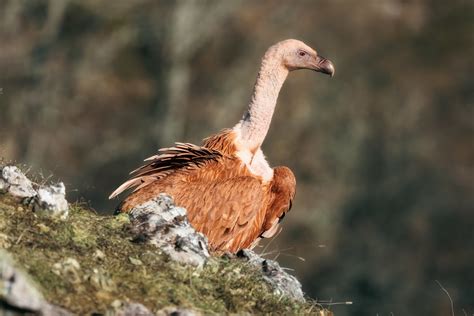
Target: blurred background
(383, 152)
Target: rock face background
(151, 262)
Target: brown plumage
(231, 193)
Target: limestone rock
(120, 308)
(16, 289)
(19, 295)
(16, 183)
(52, 199)
(49, 200)
(280, 281)
(165, 225)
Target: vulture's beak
(324, 65)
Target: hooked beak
(324, 65)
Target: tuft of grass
(86, 262)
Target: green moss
(85, 263)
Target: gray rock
(176, 311)
(52, 200)
(280, 281)
(120, 308)
(16, 289)
(53, 310)
(165, 225)
(19, 295)
(48, 200)
(16, 183)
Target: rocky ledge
(58, 258)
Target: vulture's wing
(168, 160)
(282, 194)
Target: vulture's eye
(302, 53)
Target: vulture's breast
(256, 164)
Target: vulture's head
(296, 55)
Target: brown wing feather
(224, 142)
(182, 156)
(283, 188)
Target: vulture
(231, 193)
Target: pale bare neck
(254, 125)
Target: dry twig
(449, 296)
